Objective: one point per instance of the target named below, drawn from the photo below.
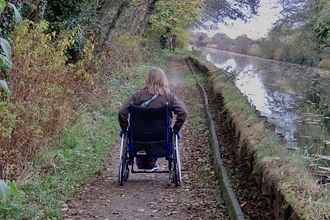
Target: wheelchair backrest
(149, 131)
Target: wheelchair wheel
(127, 175)
(123, 171)
(126, 171)
(177, 164)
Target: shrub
(45, 93)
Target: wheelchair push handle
(121, 133)
(178, 135)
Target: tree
(294, 13)
(120, 10)
(216, 11)
(223, 41)
(136, 16)
(173, 15)
(319, 26)
(307, 24)
(243, 43)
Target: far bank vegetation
(301, 36)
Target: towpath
(146, 196)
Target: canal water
(294, 98)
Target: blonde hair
(156, 82)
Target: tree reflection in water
(294, 98)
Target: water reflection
(294, 97)
(251, 85)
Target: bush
(45, 94)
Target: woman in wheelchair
(155, 94)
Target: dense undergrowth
(44, 93)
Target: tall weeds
(45, 94)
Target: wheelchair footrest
(146, 171)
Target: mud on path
(146, 196)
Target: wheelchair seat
(149, 136)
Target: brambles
(45, 92)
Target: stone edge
(234, 209)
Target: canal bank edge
(234, 209)
(291, 192)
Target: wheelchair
(150, 136)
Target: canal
(293, 97)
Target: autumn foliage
(44, 96)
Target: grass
(60, 170)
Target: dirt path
(146, 196)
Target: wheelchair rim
(122, 162)
(177, 164)
(178, 159)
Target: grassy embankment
(282, 169)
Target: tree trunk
(113, 23)
(39, 11)
(150, 10)
(136, 17)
